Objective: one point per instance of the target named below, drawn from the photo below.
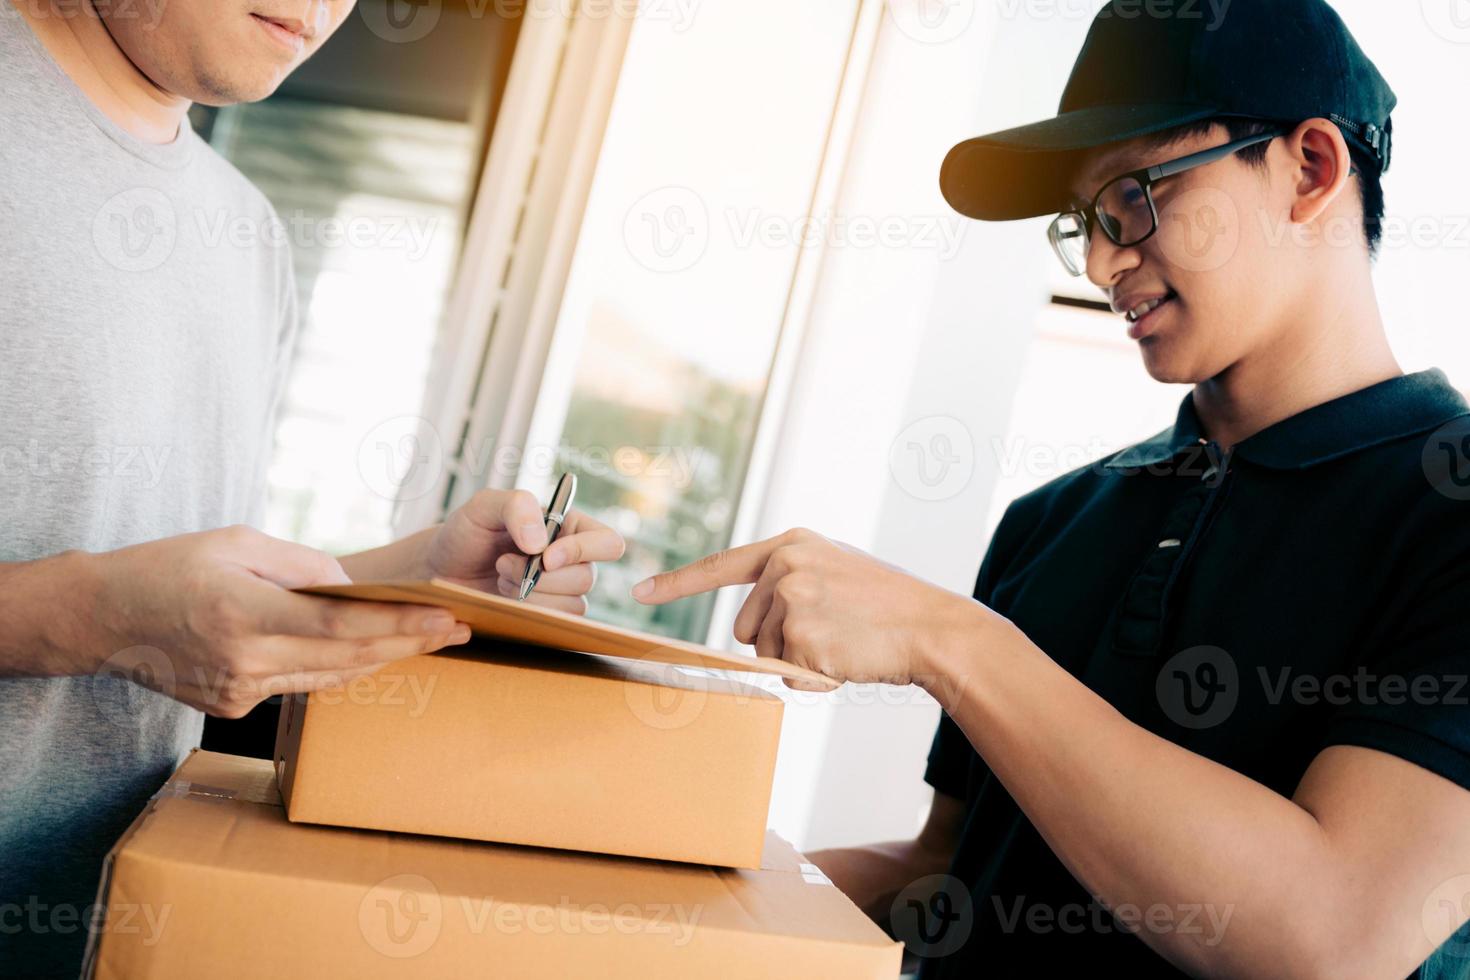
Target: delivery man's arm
(1333, 882)
(873, 875)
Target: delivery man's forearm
(1145, 824)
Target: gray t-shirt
(147, 315)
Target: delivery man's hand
(208, 619)
(485, 544)
(828, 607)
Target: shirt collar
(1389, 410)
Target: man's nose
(1108, 261)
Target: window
(370, 153)
(680, 281)
(374, 206)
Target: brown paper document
(497, 617)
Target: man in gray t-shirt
(142, 352)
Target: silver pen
(556, 514)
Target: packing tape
(813, 875)
(184, 787)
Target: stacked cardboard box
(501, 811)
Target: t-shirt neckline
(171, 155)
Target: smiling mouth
(1146, 309)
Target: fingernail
(643, 589)
(438, 623)
(460, 635)
(535, 535)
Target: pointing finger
(736, 566)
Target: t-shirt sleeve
(1411, 698)
(953, 761)
(950, 760)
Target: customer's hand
(828, 607)
(485, 545)
(209, 619)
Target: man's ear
(1322, 167)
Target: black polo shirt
(1307, 589)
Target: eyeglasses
(1125, 209)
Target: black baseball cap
(1147, 67)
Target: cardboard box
(522, 745)
(211, 880)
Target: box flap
(499, 617)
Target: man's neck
(80, 43)
(1339, 347)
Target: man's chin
(1168, 367)
(219, 92)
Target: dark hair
(1370, 181)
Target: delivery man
(1206, 711)
(137, 386)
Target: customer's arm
(874, 874)
(206, 618)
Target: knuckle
(240, 662)
(334, 623)
(239, 534)
(223, 615)
(711, 563)
(790, 589)
(231, 708)
(520, 500)
(365, 652)
(797, 633)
